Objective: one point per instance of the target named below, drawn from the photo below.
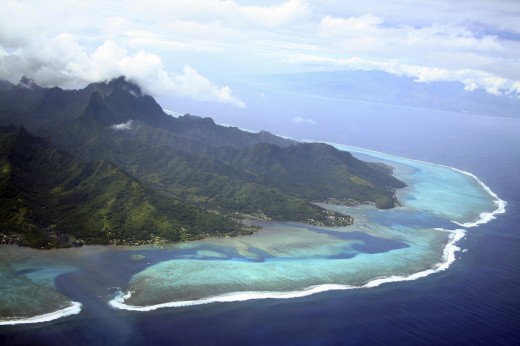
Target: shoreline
(483, 217)
(448, 257)
(73, 309)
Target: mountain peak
(27, 83)
(119, 85)
(126, 85)
(120, 100)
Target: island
(176, 204)
(106, 165)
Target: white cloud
(300, 120)
(63, 61)
(433, 44)
(172, 113)
(472, 41)
(191, 84)
(472, 79)
(123, 126)
(351, 26)
(228, 11)
(501, 14)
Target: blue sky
(183, 48)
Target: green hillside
(51, 199)
(137, 172)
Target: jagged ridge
(194, 160)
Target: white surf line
(448, 258)
(484, 217)
(73, 309)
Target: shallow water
(283, 260)
(287, 259)
(475, 302)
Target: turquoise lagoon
(287, 260)
(283, 260)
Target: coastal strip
(73, 309)
(448, 257)
(483, 217)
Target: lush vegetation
(159, 177)
(51, 199)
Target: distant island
(106, 165)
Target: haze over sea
(474, 301)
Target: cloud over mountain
(162, 45)
(63, 61)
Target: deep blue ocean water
(475, 302)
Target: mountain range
(385, 88)
(106, 165)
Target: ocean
(475, 301)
